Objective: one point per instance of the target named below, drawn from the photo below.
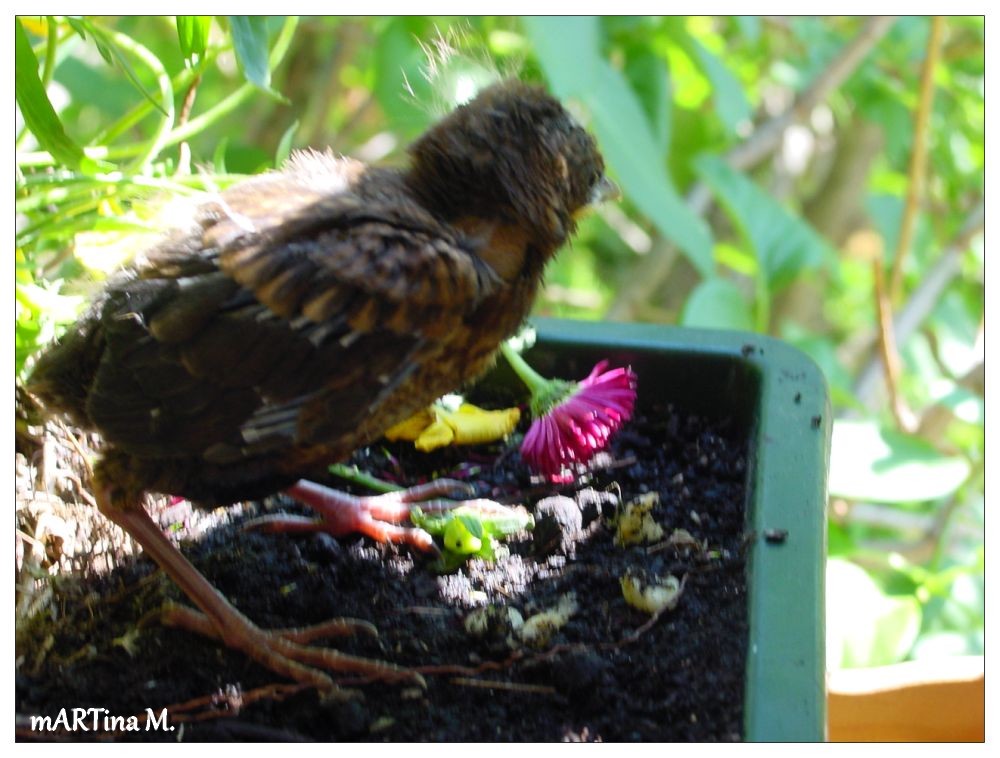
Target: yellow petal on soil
(438, 434)
(538, 629)
(660, 595)
(635, 525)
(411, 428)
(473, 425)
(435, 427)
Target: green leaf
(955, 324)
(192, 35)
(219, 156)
(81, 27)
(717, 304)
(628, 144)
(113, 55)
(865, 626)
(251, 46)
(749, 27)
(648, 75)
(39, 115)
(568, 49)
(730, 101)
(48, 301)
(784, 244)
(285, 145)
(399, 85)
(870, 463)
(965, 404)
(472, 524)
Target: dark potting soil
(610, 673)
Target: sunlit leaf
(870, 463)
(250, 43)
(955, 324)
(219, 156)
(948, 644)
(737, 258)
(192, 35)
(691, 86)
(105, 251)
(48, 301)
(285, 145)
(866, 627)
(81, 27)
(39, 115)
(717, 303)
(965, 404)
(112, 53)
(730, 101)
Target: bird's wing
(233, 342)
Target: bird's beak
(604, 190)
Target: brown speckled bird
(303, 312)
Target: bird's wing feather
(221, 342)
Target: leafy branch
(653, 269)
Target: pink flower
(580, 424)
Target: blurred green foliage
(116, 114)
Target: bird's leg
(281, 651)
(376, 516)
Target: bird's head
(512, 154)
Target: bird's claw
(285, 650)
(377, 516)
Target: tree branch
(922, 301)
(905, 420)
(918, 157)
(650, 273)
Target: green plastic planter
(779, 398)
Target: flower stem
(535, 381)
(545, 393)
(357, 476)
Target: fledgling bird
(303, 312)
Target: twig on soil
(495, 684)
(227, 702)
(427, 610)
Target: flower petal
(582, 424)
